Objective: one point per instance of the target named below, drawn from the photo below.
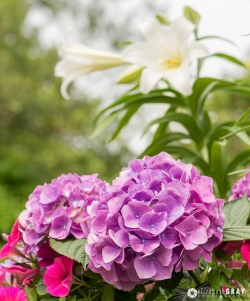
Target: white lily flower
(166, 54)
(77, 60)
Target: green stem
(194, 276)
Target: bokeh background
(43, 135)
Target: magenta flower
(21, 275)
(9, 249)
(245, 252)
(59, 209)
(58, 277)
(159, 215)
(241, 188)
(12, 294)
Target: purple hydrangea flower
(241, 188)
(159, 215)
(59, 209)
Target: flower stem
(194, 276)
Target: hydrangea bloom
(241, 188)
(159, 215)
(59, 209)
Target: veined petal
(142, 53)
(148, 79)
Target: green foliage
(72, 248)
(209, 146)
(41, 134)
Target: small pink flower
(245, 252)
(58, 277)
(12, 294)
(21, 275)
(9, 248)
(46, 255)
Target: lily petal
(148, 79)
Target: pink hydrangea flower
(159, 215)
(59, 209)
(241, 188)
(58, 277)
(12, 294)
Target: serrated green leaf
(41, 288)
(162, 19)
(191, 15)
(72, 248)
(214, 279)
(236, 233)
(236, 213)
(108, 293)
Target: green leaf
(236, 233)
(243, 116)
(172, 283)
(219, 165)
(72, 248)
(106, 122)
(228, 272)
(229, 58)
(242, 159)
(186, 120)
(162, 19)
(124, 121)
(108, 293)
(31, 294)
(41, 288)
(151, 294)
(236, 130)
(191, 15)
(124, 296)
(217, 37)
(214, 278)
(222, 255)
(236, 213)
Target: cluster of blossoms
(56, 210)
(158, 216)
(241, 188)
(59, 209)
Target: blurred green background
(41, 134)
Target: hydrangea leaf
(41, 288)
(124, 296)
(236, 215)
(172, 283)
(108, 293)
(72, 248)
(214, 279)
(236, 233)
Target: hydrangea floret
(241, 188)
(159, 215)
(59, 209)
